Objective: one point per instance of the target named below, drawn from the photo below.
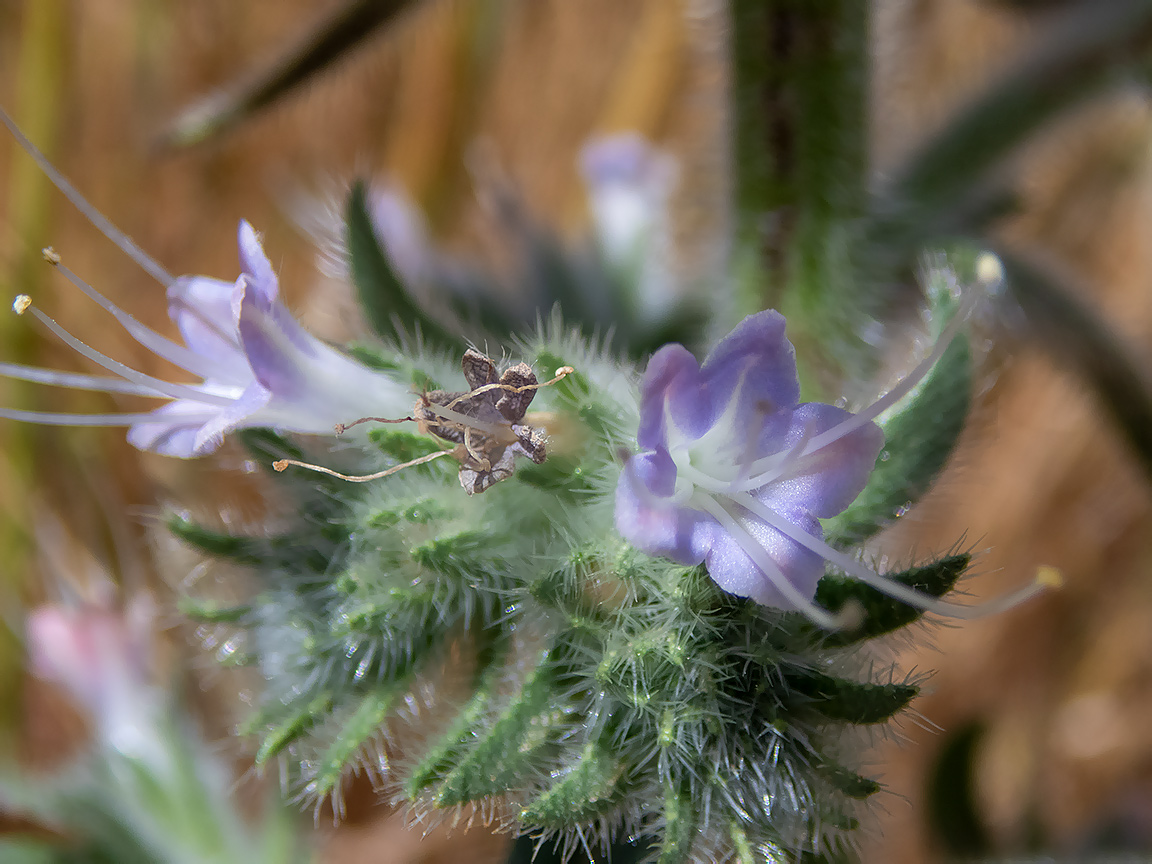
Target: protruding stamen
(760, 557)
(126, 244)
(281, 464)
(48, 418)
(881, 583)
(174, 391)
(341, 428)
(903, 387)
(21, 303)
(1049, 576)
(203, 365)
(76, 380)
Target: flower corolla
(728, 474)
(733, 473)
(258, 367)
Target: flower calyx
(486, 422)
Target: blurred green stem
(800, 98)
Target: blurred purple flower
(733, 473)
(401, 230)
(257, 365)
(629, 183)
(100, 657)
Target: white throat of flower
(717, 474)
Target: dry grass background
(1064, 686)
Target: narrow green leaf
(324, 43)
(741, 847)
(849, 782)
(387, 306)
(1088, 48)
(1077, 337)
(680, 826)
(881, 613)
(850, 701)
(503, 749)
(243, 550)
(588, 791)
(442, 754)
(918, 439)
(356, 731)
(211, 613)
(453, 555)
(296, 725)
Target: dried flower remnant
(486, 423)
(733, 473)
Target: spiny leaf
(884, 614)
(356, 731)
(297, 724)
(851, 701)
(443, 753)
(680, 821)
(589, 790)
(849, 782)
(504, 748)
(454, 554)
(742, 851)
(917, 442)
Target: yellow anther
(21, 303)
(1049, 576)
(50, 255)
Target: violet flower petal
(825, 482)
(755, 365)
(255, 265)
(249, 403)
(201, 309)
(704, 432)
(730, 565)
(652, 522)
(672, 368)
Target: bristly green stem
(800, 79)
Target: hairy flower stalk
(734, 474)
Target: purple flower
(629, 184)
(257, 366)
(732, 472)
(101, 658)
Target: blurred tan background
(1063, 687)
